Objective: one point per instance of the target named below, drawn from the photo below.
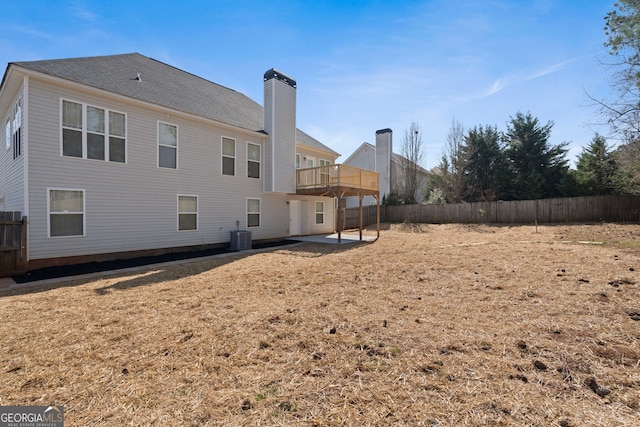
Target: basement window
(253, 212)
(319, 212)
(187, 213)
(66, 212)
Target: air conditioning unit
(240, 240)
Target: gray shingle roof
(160, 84)
(309, 141)
(163, 85)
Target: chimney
(280, 125)
(384, 150)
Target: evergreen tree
(485, 164)
(596, 168)
(627, 177)
(536, 168)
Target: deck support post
(360, 196)
(378, 213)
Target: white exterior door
(295, 223)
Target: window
(253, 212)
(324, 172)
(167, 146)
(117, 144)
(228, 156)
(71, 129)
(187, 212)
(66, 213)
(309, 163)
(13, 130)
(93, 133)
(7, 135)
(253, 160)
(319, 212)
(297, 161)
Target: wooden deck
(337, 180)
(340, 181)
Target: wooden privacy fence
(560, 210)
(13, 232)
(351, 216)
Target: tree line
(519, 163)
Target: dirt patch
(435, 325)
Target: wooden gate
(13, 244)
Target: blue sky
(360, 65)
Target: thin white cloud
(509, 80)
(81, 12)
(30, 31)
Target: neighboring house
(115, 156)
(389, 165)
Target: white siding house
(119, 155)
(389, 166)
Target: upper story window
(253, 160)
(324, 172)
(13, 130)
(167, 146)
(91, 132)
(228, 156)
(117, 138)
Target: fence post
(23, 249)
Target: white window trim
(259, 161)
(85, 131)
(197, 212)
(324, 176)
(84, 212)
(251, 212)
(321, 212)
(7, 134)
(14, 125)
(158, 145)
(298, 161)
(234, 157)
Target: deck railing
(336, 176)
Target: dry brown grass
(432, 325)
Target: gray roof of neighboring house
(394, 156)
(309, 141)
(163, 85)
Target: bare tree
(448, 179)
(414, 154)
(622, 111)
(456, 160)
